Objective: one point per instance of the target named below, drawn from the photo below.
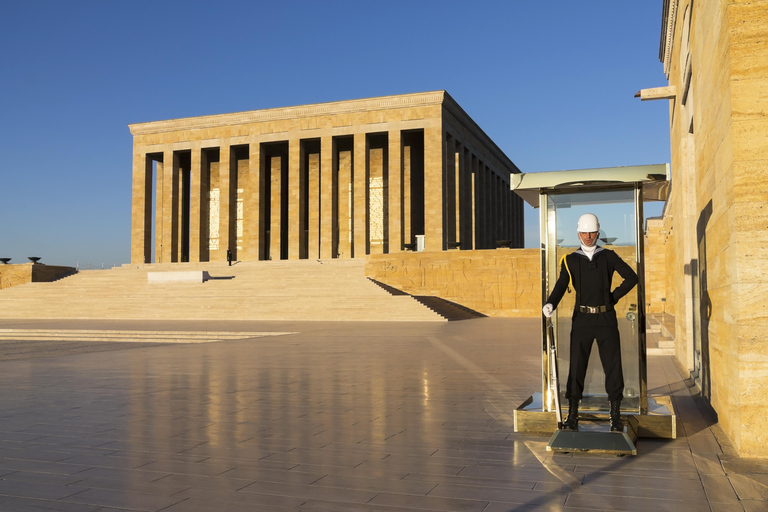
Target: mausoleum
(347, 179)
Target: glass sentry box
(616, 195)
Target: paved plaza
(329, 417)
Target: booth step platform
(659, 422)
(593, 437)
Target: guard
(590, 269)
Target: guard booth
(616, 196)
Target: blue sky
(552, 83)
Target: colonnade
(334, 196)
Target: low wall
(14, 275)
(500, 282)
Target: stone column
(360, 203)
(196, 218)
(466, 196)
(326, 197)
(205, 206)
(492, 217)
(507, 211)
(345, 204)
(141, 208)
(492, 220)
(450, 192)
(178, 211)
(512, 216)
(313, 204)
(521, 217)
(167, 210)
(253, 206)
(475, 217)
(479, 205)
(158, 211)
(494, 211)
(407, 235)
(499, 209)
(294, 198)
(227, 203)
(502, 209)
(241, 167)
(457, 220)
(376, 200)
(395, 188)
(482, 204)
(434, 172)
(276, 189)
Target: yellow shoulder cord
(570, 277)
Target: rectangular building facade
(331, 180)
(714, 223)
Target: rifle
(553, 372)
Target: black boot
(616, 424)
(572, 421)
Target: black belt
(593, 309)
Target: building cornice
(668, 22)
(298, 112)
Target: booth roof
(654, 179)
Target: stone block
(749, 98)
(751, 261)
(752, 305)
(190, 276)
(748, 24)
(751, 220)
(753, 434)
(750, 139)
(750, 180)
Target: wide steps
(133, 336)
(294, 290)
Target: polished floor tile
(338, 417)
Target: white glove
(548, 309)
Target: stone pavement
(335, 417)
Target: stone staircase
(445, 308)
(660, 334)
(333, 290)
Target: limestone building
(333, 180)
(716, 216)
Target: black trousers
(609, 347)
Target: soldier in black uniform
(591, 269)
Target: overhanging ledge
(654, 178)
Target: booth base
(594, 438)
(659, 422)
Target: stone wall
(655, 275)
(717, 212)
(498, 283)
(501, 282)
(14, 275)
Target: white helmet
(588, 223)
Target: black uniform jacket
(592, 281)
